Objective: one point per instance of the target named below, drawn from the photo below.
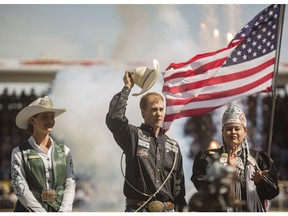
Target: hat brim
(25, 114)
(151, 80)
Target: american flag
(210, 80)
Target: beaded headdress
(234, 114)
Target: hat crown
(233, 114)
(44, 102)
(145, 77)
(140, 75)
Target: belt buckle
(48, 195)
(156, 206)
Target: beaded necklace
(241, 162)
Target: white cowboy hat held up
(145, 77)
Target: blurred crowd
(201, 128)
(11, 136)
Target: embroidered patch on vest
(143, 143)
(171, 147)
(30, 157)
(143, 136)
(142, 152)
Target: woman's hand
(257, 176)
(232, 156)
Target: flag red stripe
(219, 79)
(200, 70)
(201, 56)
(187, 113)
(198, 111)
(241, 74)
(220, 94)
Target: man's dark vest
(36, 175)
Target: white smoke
(162, 33)
(86, 93)
(209, 23)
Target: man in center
(154, 177)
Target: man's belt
(48, 195)
(153, 206)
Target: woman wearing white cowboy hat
(42, 169)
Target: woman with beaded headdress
(41, 168)
(256, 180)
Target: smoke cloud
(86, 93)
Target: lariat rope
(151, 195)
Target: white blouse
(20, 185)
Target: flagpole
(274, 84)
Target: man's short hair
(144, 99)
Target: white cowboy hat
(145, 77)
(40, 105)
